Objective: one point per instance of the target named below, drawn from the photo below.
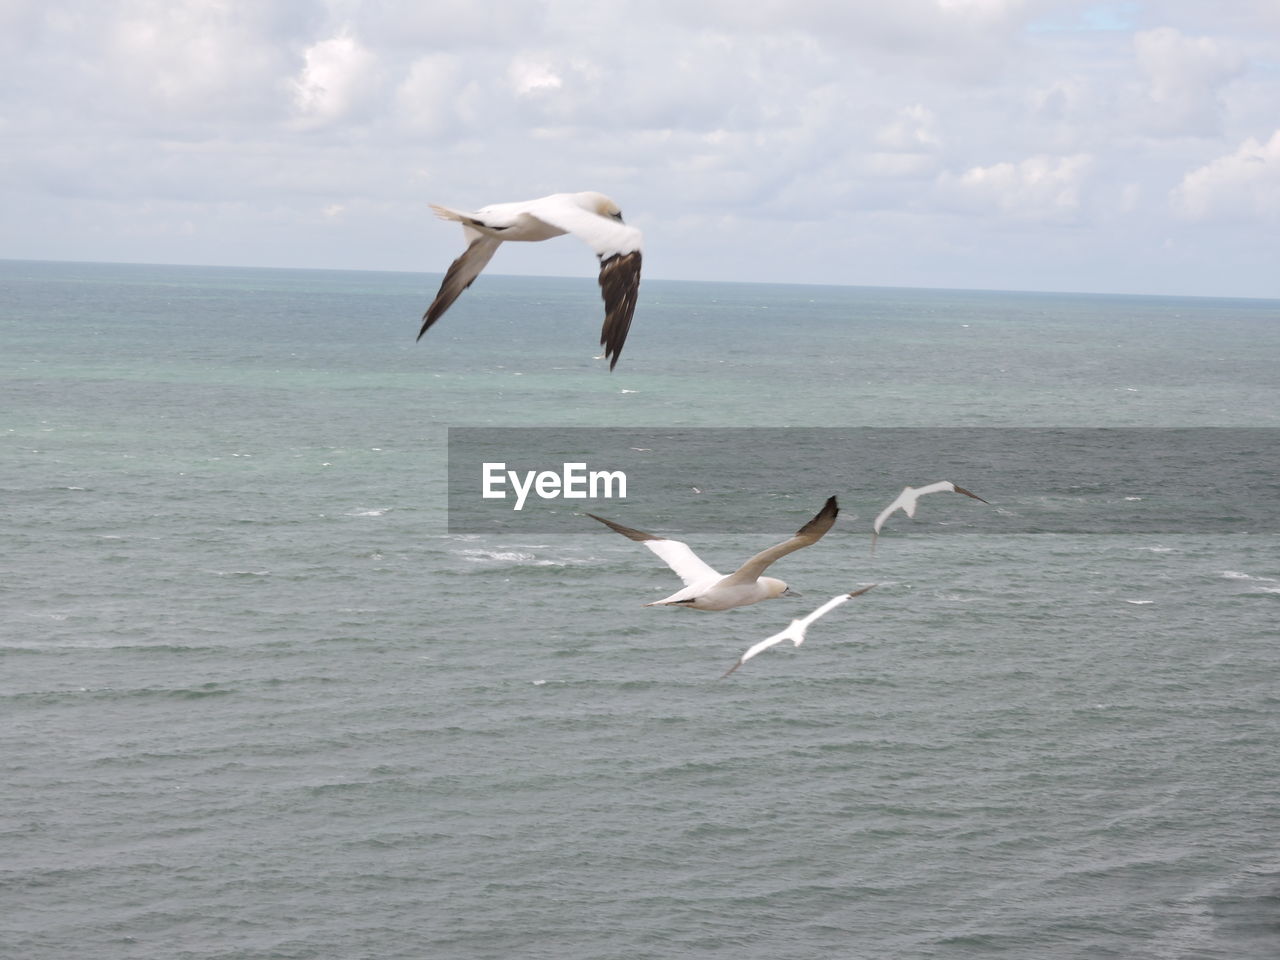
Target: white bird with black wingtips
(906, 502)
(796, 629)
(590, 216)
(707, 589)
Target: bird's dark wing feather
(619, 286)
(459, 276)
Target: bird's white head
(600, 204)
(777, 588)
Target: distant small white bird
(795, 630)
(590, 216)
(705, 588)
(906, 501)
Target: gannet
(590, 216)
(906, 501)
(795, 630)
(705, 588)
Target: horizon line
(542, 276)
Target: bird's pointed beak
(790, 593)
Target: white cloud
(982, 8)
(179, 67)
(338, 77)
(1242, 185)
(433, 96)
(529, 76)
(914, 128)
(1185, 76)
(1037, 188)
(899, 165)
(446, 25)
(904, 23)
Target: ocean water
(258, 702)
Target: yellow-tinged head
(775, 587)
(600, 204)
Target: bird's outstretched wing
(607, 236)
(460, 275)
(620, 288)
(676, 554)
(810, 533)
(792, 631)
(618, 247)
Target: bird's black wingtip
(427, 321)
(970, 493)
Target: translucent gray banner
(1078, 480)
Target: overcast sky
(1128, 147)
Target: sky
(1109, 147)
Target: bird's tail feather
(444, 213)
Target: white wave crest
(507, 556)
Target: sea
(261, 700)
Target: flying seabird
(590, 216)
(906, 501)
(706, 589)
(795, 630)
